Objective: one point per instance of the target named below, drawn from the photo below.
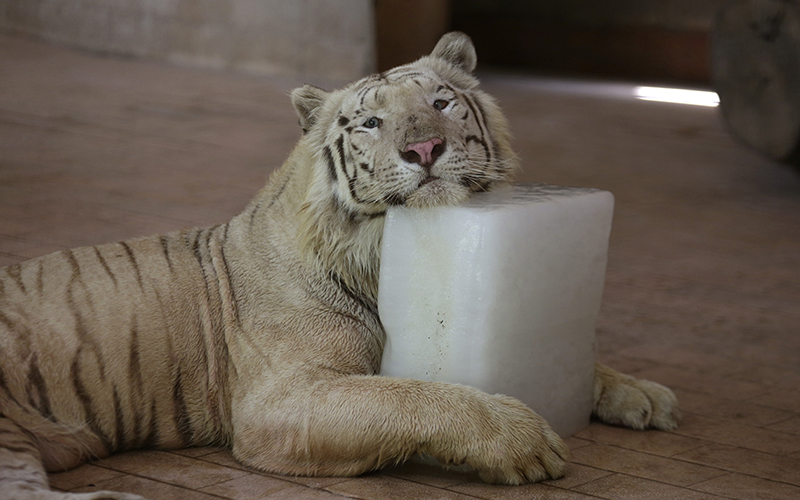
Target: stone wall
(326, 38)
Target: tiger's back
(114, 347)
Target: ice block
(500, 293)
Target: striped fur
(262, 333)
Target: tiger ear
(457, 49)
(307, 101)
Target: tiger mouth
(428, 179)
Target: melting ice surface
(500, 293)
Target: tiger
(262, 334)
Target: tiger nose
(423, 153)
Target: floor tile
(684, 358)
(743, 487)
(303, 493)
(524, 492)
(248, 487)
(785, 400)
(428, 474)
(754, 463)
(148, 488)
(86, 475)
(390, 488)
(743, 412)
(726, 432)
(790, 426)
(622, 487)
(170, 468)
(769, 375)
(575, 442)
(576, 474)
(725, 387)
(196, 452)
(653, 442)
(644, 465)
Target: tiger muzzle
(424, 153)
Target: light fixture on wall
(679, 96)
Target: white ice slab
(500, 293)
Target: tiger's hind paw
(639, 404)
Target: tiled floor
(703, 283)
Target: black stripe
(151, 440)
(134, 363)
(362, 94)
(135, 381)
(225, 233)
(482, 118)
(332, 174)
(86, 401)
(105, 265)
(73, 264)
(478, 117)
(474, 138)
(138, 438)
(274, 198)
(82, 331)
(132, 259)
(365, 302)
(340, 149)
(198, 253)
(402, 73)
(36, 381)
(234, 299)
(15, 272)
(351, 180)
(182, 421)
(40, 277)
(351, 184)
(165, 248)
(119, 423)
(21, 449)
(253, 213)
(6, 321)
(4, 383)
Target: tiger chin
(262, 334)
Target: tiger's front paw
(639, 404)
(517, 446)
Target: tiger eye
(440, 104)
(372, 122)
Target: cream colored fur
(262, 333)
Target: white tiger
(262, 334)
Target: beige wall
(325, 38)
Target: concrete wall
(326, 38)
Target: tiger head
(421, 135)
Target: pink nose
(423, 153)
